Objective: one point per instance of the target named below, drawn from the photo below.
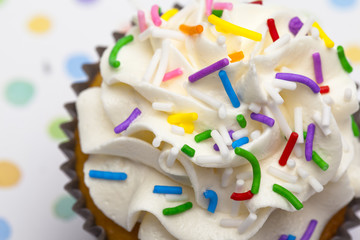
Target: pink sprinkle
(172, 74)
(208, 7)
(141, 19)
(155, 15)
(223, 6)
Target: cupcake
(219, 121)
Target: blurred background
(43, 45)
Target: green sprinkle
(203, 136)
(305, 134)
(319, 161)
(255, 166)
(355, 127)
(241, 120)
(188, 150)
(344, 62)
(119, 44)
(178, 209)
(217, 13)
(160, 11)
(288, 195)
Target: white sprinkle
(283, 84)
(298, 151)
(156, 142)
(283, 40)
(291, 163)
(281, 174)
(315, 184)
(305, 28)
(176, 197)
(240, 133)
(347, 94)
(221, 40)
(225, 135)
(172, 156)
(315, 32)
(254, 107)
(146, 34)
(247, 223)
(230, 223)
(255, 134)
(168, 34)
(284, 126)
(177, 19)
(225, 179)
(222, 113)
(317, 118)
(239, 185)
(274, 94)
(326, 114)
(298, 123)
(328, 99)
(163, 63)
(235, 205)
(245, 175)
(224, 151)
(177, 130)
(302, 172)
(152, 65)
(203, 97)
(345, 144)
(296, 188)
(208, 159)
(164, 107)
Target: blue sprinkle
(167, 189)
(107, 175)
(229, 89)
(291, 237)
(213, 200)
(240, 142)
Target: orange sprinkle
(237, 56)
(191, 30)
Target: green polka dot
(63, 207)
(19, 92)
(54, 129)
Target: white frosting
(132, 151)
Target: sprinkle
(317, 118)
(119, 44)
(291, 163)
(209, 4)
(176, 198)
(234, 29)
(208, 70)
(211, 101)
(272, 29)
(125, 124)
(167, 34)
(255, 134)
(240, 142)
(191, 30)
(202, 136)
(152, 65)
(240, 133)
(245, 175)
(296, 188)
(216, 147)
(231, 132)
(222, 113)
(284, 126)
(167, 189)
(164, 107)
(155, 15)
(324, 89)
(175, 21)
(223, 6)
(257, 2)
(247, 223)
(178, 209)
(309, 230)
(182, 117)
(235, 205)
(282, 41)
(217, 13)
(274, 94)
(118, 176)
(242, 196)
(208, 159)
(254, 107)
(305, 28)
(225, 135)
(146, 34)
(172, 74)
(315, 184)
(355, 127)
(169, 14)
(317, 68)
(255, 166)
(283, 237)
(156, 142)
(344, 62)
(141, 20)
(241, 120)
(326, 115)
(288, 195)
(224, 151)
(315, 33)
(309, 141)
(300, 79)
(328, 42)
(236, 56)
(230, 223)
(177, 130)
(347, 94)
(295, 25)
(284, 84)
(281, 175)
(163, 63)
(172, 156)
(188, 150)
(328, 100)
(262, 118)
(298, 124)
(225, 178)
(213, 200)
(302, 172)
(291, 237)
(319, 161)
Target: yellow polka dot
(9, 174)
(39, 24)
(353, 53)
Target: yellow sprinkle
(328, 42)
(188, 127)
(225, 26)
(169, 14)
(182, 117)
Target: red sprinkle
(242, 196)
(288, 148)
(272, 29)
(324, 89)
(256, 2)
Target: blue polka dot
(343, 3)
(5, 230)
(74, 66)
(63, 207)
(86, 1)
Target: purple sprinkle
(317, 68)
(208, 70)
(309, 141)
(310, 229)
(231, 133)
(295, 25)
(300, 79)
(262, 118)
(125, 124)
(283, 237)
(216, 147)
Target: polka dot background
(43, 46)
